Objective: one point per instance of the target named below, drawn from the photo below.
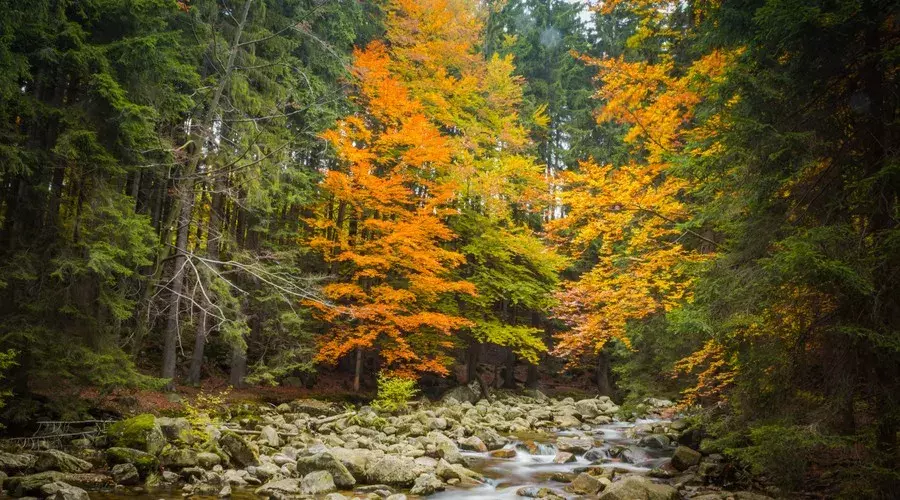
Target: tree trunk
(238, 367)
(472, 361)
(197, 354)
(532, 381)
(509, 379)
(357, 370)
(603, 386)
(170, 346)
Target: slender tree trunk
(358, 369)
(472, 361)
(186, 197)
(213, 236)
(603, 386)
(531, 382)
(170, 346)
(509, 381)
(238, 366)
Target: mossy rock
(239, 451)
(141, 433)
(145, 463)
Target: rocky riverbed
(512, 447)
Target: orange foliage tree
(438, 133)
(635, 216)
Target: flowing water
(507, 475)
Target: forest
(684, 210)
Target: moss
(140, 432)
(144, 462)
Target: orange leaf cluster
(634, 213)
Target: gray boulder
(585, 484)
(461, 394)
(269, 436)
(125, 474)
(63, 491)
(13, 464)
(317, 483)
(574, 444)
(238, 450)
(339, 473)
(426, 484)
(176, 429)
(283, 488)
(393, 470)
(638, 488)
(63, 462)
(684, 458)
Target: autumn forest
(694, 202)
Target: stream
(507, 475)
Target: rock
(585, 484)
(63, 491)
(393, 470)
(355, 460)
(208, 460)
(654, 441)
(269, 436)
(563, 477)
(143, 461)
(491, 438)
(535, 492)
(473, 443)
(283, 488)
(563, 457)
(30, 485)
(317, 483)
(14, 464)
(141, 433)
(225, 491)
(574, 444)
(461, 394)
(59, 461)
(566, 421)
(595, 454)
(587, 408)
(335, 496)
(238, 450)
(504, 453)
(126, 474)
(426, 484)
(684, 458)
(396, 496)
(445, 447)
(178, 458)
(339, 473)
(438, 423)
(315, 408)
(638, 488)
(176, 429)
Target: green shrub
(782, 452)
(394, 393)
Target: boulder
(63, 491)
(563, 457)
(426, 484)
(445, 447)
(283, 488)
(59, 461)
(141, 433)
(315, 408)
(574, 444)
(30, 485)
(638, 488)
(393, 470)
(176, 429)
(208, 460)
(684, 458)
(178, 458)
(125, 474)
(654, 441)
(595, 454)
(461, 394)
(566, 421)
(339, 473)
(473, 443)
(13, 464)
(355, 460)
(536, 492)
(585, 484)
(238, 450)
(587, 408)
(143, 461)
(504, 453)
(491, 438)
(317, 483)
(269, 436)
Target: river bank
(461, 447)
